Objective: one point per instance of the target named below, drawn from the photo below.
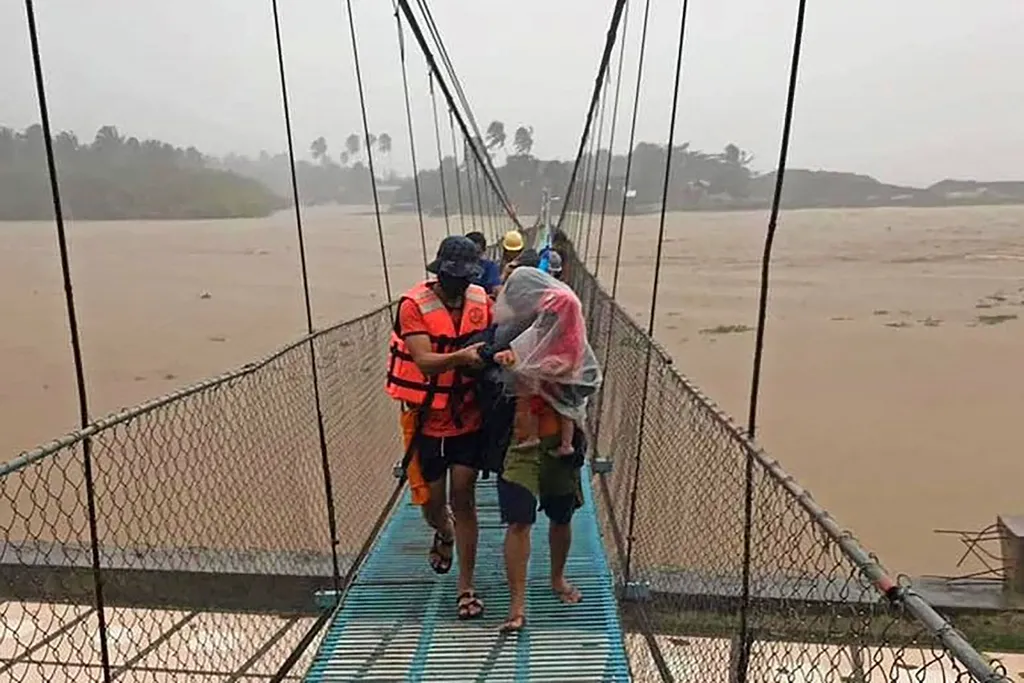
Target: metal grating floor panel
(398, 620)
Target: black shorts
(438, 453)
(519, 506)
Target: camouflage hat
(457, 256)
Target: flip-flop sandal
(439, 561)
(469, 606)
(513, 624)
(572, 596)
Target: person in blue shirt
(490, 275)
(554, 256)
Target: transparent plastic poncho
(541, 320)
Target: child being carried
(550, 360)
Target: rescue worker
(527, 257)
(555, 265)
(511, 247)
(490, 276)
(560, 245)
(441, 418)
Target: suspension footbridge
(699, 557)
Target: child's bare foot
(565, 449)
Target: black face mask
(453, 287)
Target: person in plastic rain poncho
(552, 371)
(551, 359)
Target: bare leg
(436, 511)
(517, 555)
(438, 515)
(560, 538)
(532, 423)
(464, 507)
(568, 428)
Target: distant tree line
(118, 177)
(114, 177)
(330, 178)
(699, 179)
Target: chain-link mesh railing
(211, 520)
(212, 530)
(813, 606)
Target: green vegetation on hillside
(114, 177)
(700, 180)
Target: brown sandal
(469, 605)
(441, 553)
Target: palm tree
(523, 140)
(496, 136)
(735, 156)
(353, 145)
(66, 144)
(318, 148)
(107, 139)
(384, 144)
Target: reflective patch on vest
(477, 294)
(428, 302)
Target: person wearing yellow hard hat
(511, 246)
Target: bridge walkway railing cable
(747, 562)
(135, 550)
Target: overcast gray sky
(907, 90)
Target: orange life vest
(405, 382)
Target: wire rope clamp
(636, 591)
(602, 465)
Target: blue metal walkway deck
(398, 620)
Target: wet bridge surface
(398, 621)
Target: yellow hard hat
(512, 241)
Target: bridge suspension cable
(440, 156)
(332, 521)
(762, 318)
(71, 313)
(412, 134)
(602, 69)
(611, 141)
(369, 150)
(458, 180)
(481, 156)
(629, 149)
(371, 579)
